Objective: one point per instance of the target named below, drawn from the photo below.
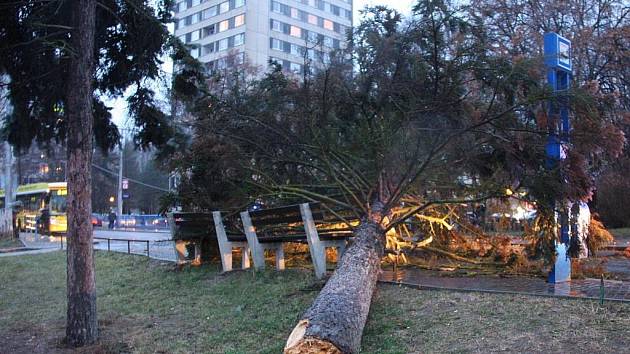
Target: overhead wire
(103, 169)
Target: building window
(313, 37)
(296, 50)
(239, 58)
(221, 63)
(224, 7)
(294, 13)
(295, 31)
(276, 26)
(209, 12)
(239, 20)
(312, 19)
(223, 44)
(224, 25)
(296, 68)
(276, 44)
(239, 3)
(209, 30)
(194, 36)
(328, 24)
(239, 39)
(194, 18)
(275, 7)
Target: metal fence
(156, 249)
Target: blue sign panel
(557, 51)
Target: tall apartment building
(289, 32)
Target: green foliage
(613, 192)
(542, 236)
(131, 36)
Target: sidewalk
(585, 288)
(27, 252)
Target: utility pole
(8, 185)
(120, 182)
(9, 180)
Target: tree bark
(81, 327)
(335, 321)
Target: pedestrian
(112, 219)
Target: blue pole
(558, 63)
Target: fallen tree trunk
(335, 321)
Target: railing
(163, 252)
(129, 241)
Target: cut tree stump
(334, 323)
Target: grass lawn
(623, 232)
(10, 243)
(149, 307)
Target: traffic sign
(125, 183)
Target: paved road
(159, 244)
(134, 235)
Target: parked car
(96, 221)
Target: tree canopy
(424, 110)
(130, 41)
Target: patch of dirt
(49, 338)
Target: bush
(598, 236)
(613, 193)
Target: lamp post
(119, 207)
(557, 50)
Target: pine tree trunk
(81, 327)
(335, 321)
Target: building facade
(290, 32)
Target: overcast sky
(404, 6)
